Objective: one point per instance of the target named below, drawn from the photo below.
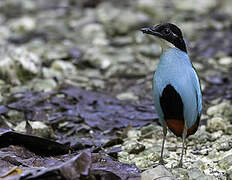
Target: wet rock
(152, 51)
(144, 163)
(96, 57)
(189, 29)
(137, 149)
(13, 8)
(229, 174)
(4, 33)
(228, 129)
(224, 145)
(201, 136)
(113, 152)
(94, 34)
(120, 41)
(226, 162)
(65, 67)
(126, 68)
(1, 98)
(160, 172)
(97, 84)
(38, 128)
(22, 25)
(112, 142)
(155, 9)
(19, 64)
(149, 152)
(199, 164)
(42, 85)
(133, 147)
(226, 7)
(216, 135)
(127, 96)
(180, 173)
(195, 174)
(52, 73)
(58, 51)
(216, 124)
(114, 21)
(21, 127)
(2, 86)
(196, 6)
(223, 109)
(27, 63)
(147, 129)
(225, 61)
(133, 134)
(145, 159)
(15, 116)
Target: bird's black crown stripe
(169, 32)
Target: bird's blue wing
(197, 86)
(156, 93)
(189, 89)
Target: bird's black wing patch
(171, 104)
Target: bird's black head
(169, 32)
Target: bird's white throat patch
(164, 44)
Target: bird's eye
(166, 31)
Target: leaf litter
(87, 129)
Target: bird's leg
(186, 147)
(183, 142)
(164, 138)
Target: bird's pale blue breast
(176, 69)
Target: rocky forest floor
(76, 90)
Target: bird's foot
(161, 161)
(180, 165)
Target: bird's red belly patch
(177, 127)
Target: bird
(176, 85)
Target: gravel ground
(97, 45)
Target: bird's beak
(151, 30)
